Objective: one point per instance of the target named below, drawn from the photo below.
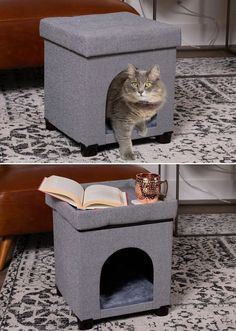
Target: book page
(66, 199)
(103, 195)
(63, 188)
(102, 206)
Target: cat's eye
(148, 84)
(134, 84)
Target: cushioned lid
(83, 220)
(94, 35)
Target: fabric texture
(95, 219)
(81, 255)
(74, 101)
(203, 123)
(80, 51)
(115, 33)
(138, 290)
(202, 286)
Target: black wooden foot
(49, 126)
(86, 324)
(164, 138)
(90, 150)
(162, 311)
(58, 292)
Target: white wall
(195, 30)
(219, 181)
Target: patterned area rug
(202, 293)
(204, 120)
(207, 224)
(189, 67)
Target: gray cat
(134, 97)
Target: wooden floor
(2, 276)
(191, 53)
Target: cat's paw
(129, 155)
(143, 132)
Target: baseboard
(207, 202)
(206, 51)
(207, 208)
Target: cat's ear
(131, 71)
(154, 73)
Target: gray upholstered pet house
(83, 55)
(113, 261)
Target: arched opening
(113, 94)
(126, 279)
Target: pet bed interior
(126, 279)
(150, 124)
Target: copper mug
(148, 187)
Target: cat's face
(143, 85)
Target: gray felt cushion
(115, 33)
(93, 219)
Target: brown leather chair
(22, 206)
(20, 43)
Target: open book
(94, 196)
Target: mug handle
(163, 195)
